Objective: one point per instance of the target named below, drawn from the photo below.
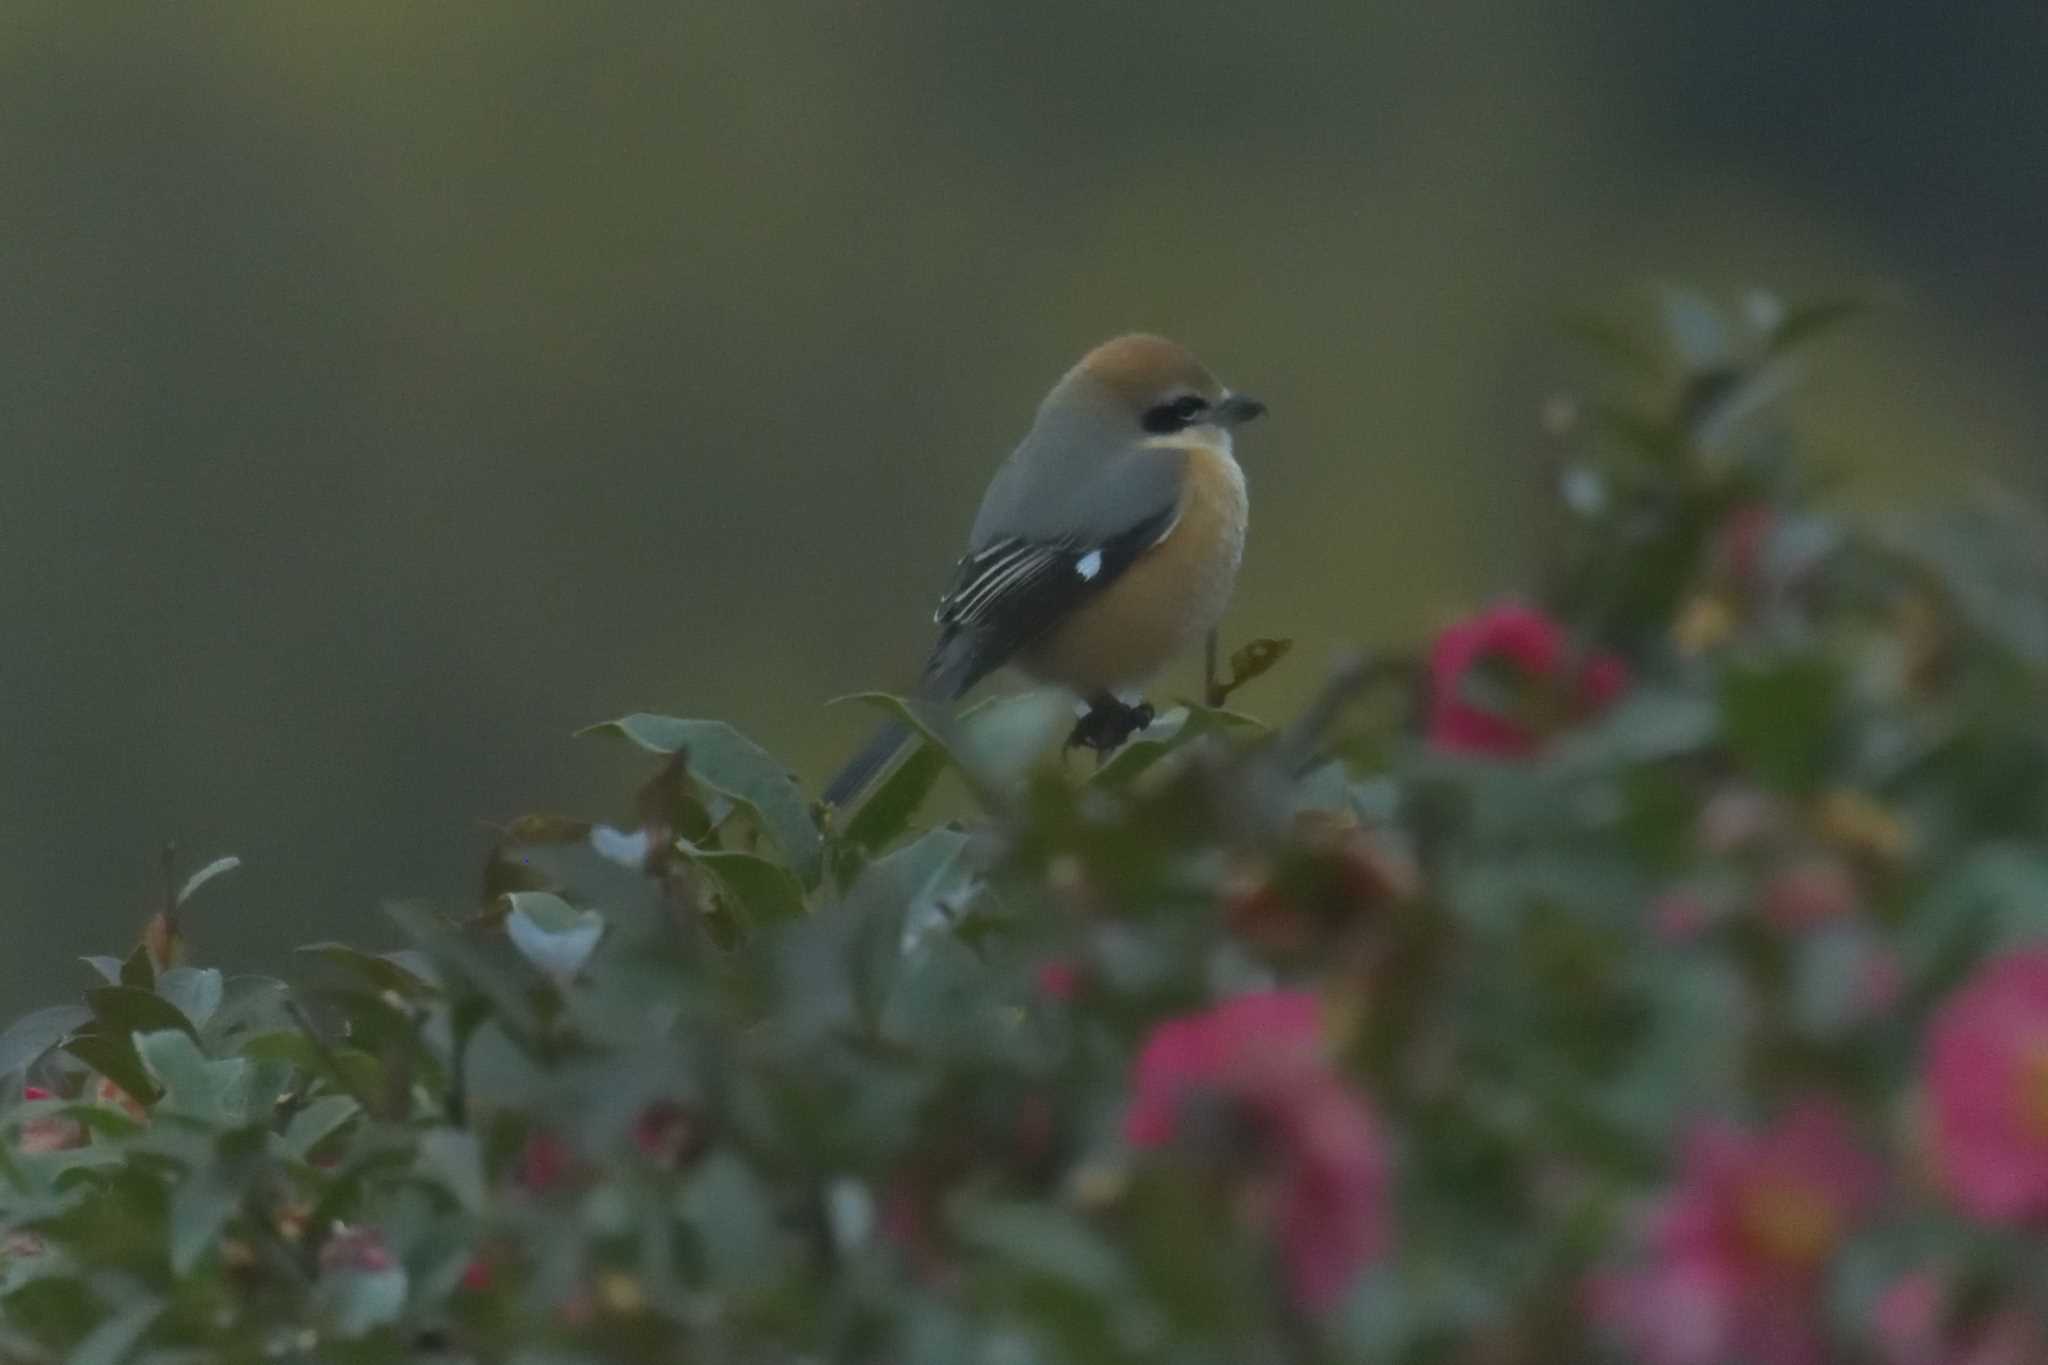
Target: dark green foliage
(741, 1083)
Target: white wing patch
(1089, 565)
(996, 570)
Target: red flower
(908, 1220)
(1741, 541)
(1542, 679)
(668, 1134)
(1735, 1253)
(1263, 1054)
(1058, 979)
(545, 1162)
(1987, 1069)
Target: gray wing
(1040, 549)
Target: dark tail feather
(861, 769)
(952, 669)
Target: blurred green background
(388, 389)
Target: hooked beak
(1235, 410)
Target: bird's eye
(1175, 414)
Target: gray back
(1081, 474)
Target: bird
(1107, 543)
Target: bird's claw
(1108, 723)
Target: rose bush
(1650, 967)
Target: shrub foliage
(1648, 968)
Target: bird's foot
(1108, 723)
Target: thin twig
(1295, 746)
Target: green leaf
(1830, 967)
(32, 1035)
(487, 977)
(895, 899)
(551, 933)
(765, 891)
(1004, 737)
(215, 1092)
(926, 878)
(1648, 726)
(352, 1069)
(1047, 1242)
(123, 1010)
(1990, 553)
(111, 1341)
(729, 763)
(109, 968)
(1172, 731)
(932, 722)
(893, 804)
(361, 1301)
(993, 743)
(114, 1057)
(1779, 718)
(249, 1004)
(195, 991)
(317, 1122)
(1996, 900)
(940, 1001)
(381, 970)
(139, 969)
(119, 1014)
(451, 1159)
(729, 1209)
(201, 1206)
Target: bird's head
(1157, 388)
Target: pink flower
(1915, 1323)
(1681, 915)
(1333, 1215)
(1262, 1054)
(1809, 893)
(1546, 686)
(356, 1248)
(52, 1133)
(1246, 1041)
(1907, 1319)
(1735, 1252)
(1736, 817)
(1987, 1070)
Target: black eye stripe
(1174, 414)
